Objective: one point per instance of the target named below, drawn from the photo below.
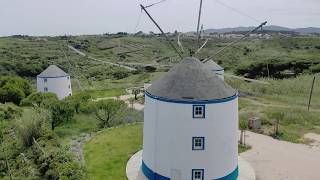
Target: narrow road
(280, 160)
(106, 62)
(125, 98)
(260, 103)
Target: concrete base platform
(133, 169)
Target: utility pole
(311, 91)
(162, 32)
(268, 70)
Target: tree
(135, 92)
(11, 93)
(13, 89)
(61, 111)
(107, 110)
(40, 99)
(78, 99)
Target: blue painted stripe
(232, 176)
(213, 101)
(218, 70)
(151, 175)
(52, 76)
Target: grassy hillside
(28, 56)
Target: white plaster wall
(59, 86)
(168, 132)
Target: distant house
(54, 80)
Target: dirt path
(314, 140)
(280, 160)
(76, 146)
(260, 103)
(126, 98)
(106, 62)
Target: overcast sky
(59, 17)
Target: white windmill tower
(55, 80)
(190, 125)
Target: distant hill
(308, 30)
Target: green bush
(120, 74)
(8, 112)
(275, 67)
(108, 111)
(61, 111)
(79, 99)
(40, 99)
(13, 89)
(87, 108)
(315, 68)
(54, 161)
(150, 69)
(131, 115)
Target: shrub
(10, 112)
(107, 111)
(61, 111)
(54, 161)
(78, 99)
(120, 74)
(132, 115)
(40, 99)
(31, 129)
(11, 93)
(150, 69)
(13, 89)
(315, 68)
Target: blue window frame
(197, 174)
(45, 89)
(199, 111)
(198, 143)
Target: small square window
(45, 89)
(45, 80)
(197, 174)
(198, 143)
(198, 111)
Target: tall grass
(31, 128)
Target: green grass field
(106, 155)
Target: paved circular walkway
(133, 172)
